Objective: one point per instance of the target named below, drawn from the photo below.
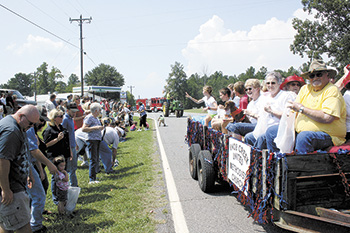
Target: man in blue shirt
(37, 192)
(68, 124)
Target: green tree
(194, 87)
(60, 87)
(21, 82)
(130, 98)
(261, 73)
(217, 81)
(176, 82)
(328, 35)
(73, 80)
(42, 83)
(104, 75)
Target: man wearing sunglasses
(321, 112)
(14, 169)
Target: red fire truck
(152, 104)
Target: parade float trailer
(297, 192)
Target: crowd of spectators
(54, 136)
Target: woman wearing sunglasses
(57, 141)
(271, 110)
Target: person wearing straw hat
(321, 112)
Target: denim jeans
(259, 143)
(92, 149)
(72, 166)
(240, 128)
(38, 198)
(309, 141)
(106, 156)
(271, 134)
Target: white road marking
(175, 204)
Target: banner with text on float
(239, 161)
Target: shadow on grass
(93, 198)
(78, 223)
(125, 169)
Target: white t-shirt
(110, 137)
(236, 100)
(210, 103)
(254, 107)
(347, 102)
(49, 105)
(278, 104)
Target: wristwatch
(301, 110)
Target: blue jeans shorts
(17, 214)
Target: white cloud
(36, 44)
(220, 49)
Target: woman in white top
(252, 88)
(210, 103)
(273, 105)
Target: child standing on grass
(210, 103)
(62, 184)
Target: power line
(38, 26)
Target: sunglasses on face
(29, 122)
(272, 83)
(248, 89)
(316, 74)
(295, 84)
(60, 116)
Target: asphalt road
(216, 212)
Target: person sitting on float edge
(273, 105)
(293, 83)
(217, 122)
(321, 112)
(239, 129)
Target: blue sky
(142, 39)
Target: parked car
(21, 100)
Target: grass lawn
(132, 200)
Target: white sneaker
(146, 129)
(139, 130)
(94, 182)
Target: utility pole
(131, 87)
(81, 20)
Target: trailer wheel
(177, 113)
(205, 171)
(193, 157)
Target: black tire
(155, 109)
(177, 113)
(166, 109)
(193, 157)
(205, 171)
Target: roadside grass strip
(131, 200)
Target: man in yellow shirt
(320, 122)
